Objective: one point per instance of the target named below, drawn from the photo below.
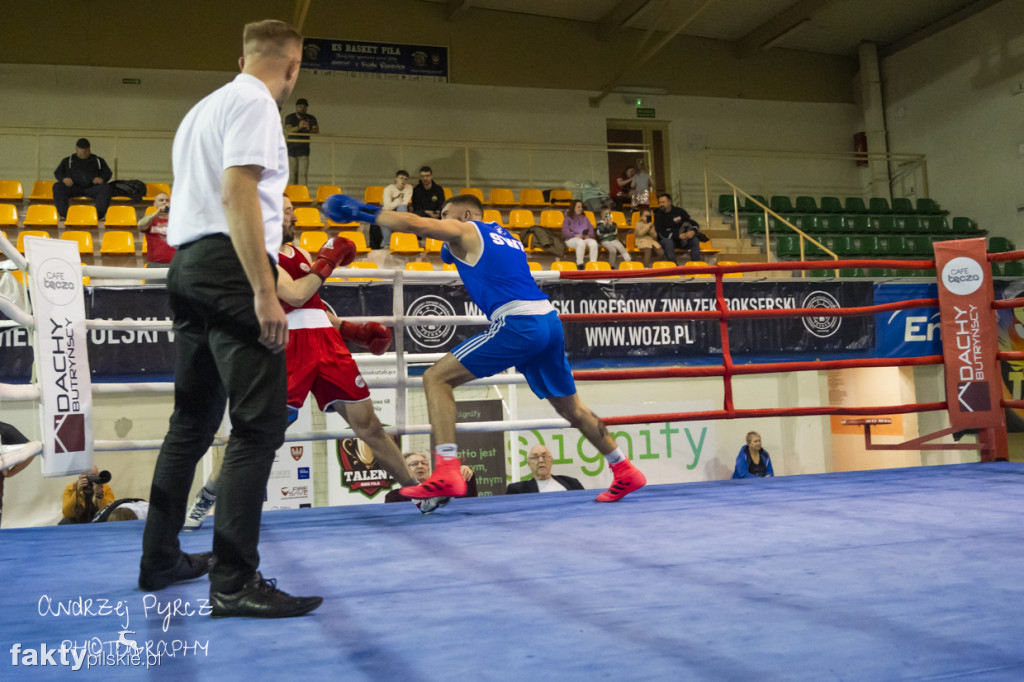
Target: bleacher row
(855, 228)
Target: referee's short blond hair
(269, 37)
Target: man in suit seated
(539, 460)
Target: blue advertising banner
(375, 60)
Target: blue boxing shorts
(533, 344)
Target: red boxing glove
(336, 253)
(372, 335)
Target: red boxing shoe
(627, 479)
(446, 481)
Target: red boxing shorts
(318, 361)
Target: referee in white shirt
(230, 171)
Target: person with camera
(154, 226)
(86, 496)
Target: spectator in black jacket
(427, 196)
(539, 460)
(83, 174)
(676, 228)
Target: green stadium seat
(843, 246)
(755, 223)
(781, 204)
(927, 206)
(855, 205)
(860, 223)
(1013, 268)
(833, 223)
(871, 245)
(963, 225)
(831, 205)
(1000, 245)
(896, 246)
(748, 206)
(902, 206)
(821, 273)
(935, 224)
(725, 204)
(807, 223)
(806, 205)
(880, 273)
(849, 272)
(788, 246)
(919, 246)
(878, 206)
(888, 224)
(812, 250)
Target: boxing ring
(875, 575)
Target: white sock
(614, 457)
(447, 451)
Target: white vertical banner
(61, 355)
(290, 485)
(354, 476)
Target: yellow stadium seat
(561, 197)
(450, 267)
(534, 265)
(520, 219)
(374, 195)
(299, 194)
(357, 238)
(29, 233)
(502, 197)
(532, 197)
(706, 247)
(598, 265)
(42, 190)
(354, 225)
(81, 215)
(664, 264)
(619, 218)
(324, 191)
(698, 264)
(117, 216)
(419, 266)
(530, 248)
(634, 219)
(8, 215)
(631, 243)
(447, 194)
(631, 265)
(82, 238)
(730, 274)
(494, 216)
(308, 218)
(563, 265)
(43, 216)
(150, 210)
(474, 191)
(552, 219)
(362, 265)
(11, 190)
(590, 217)
(405, 243)
(117, 243)
(432, 245)
(313, 240)
(154, 188)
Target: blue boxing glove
(345, 209)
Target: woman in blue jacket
(753, 462)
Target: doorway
(630, 141)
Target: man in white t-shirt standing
(230, 171)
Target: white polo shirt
(237, 125)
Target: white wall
(381, 121)
(952, 98)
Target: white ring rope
(31, 392)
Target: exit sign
(131, 81)
(644, 112)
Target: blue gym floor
(909, 574)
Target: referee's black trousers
(219, 363)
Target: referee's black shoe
(189, 567)
(260, 598)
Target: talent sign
(969, 334)
(61, 355)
